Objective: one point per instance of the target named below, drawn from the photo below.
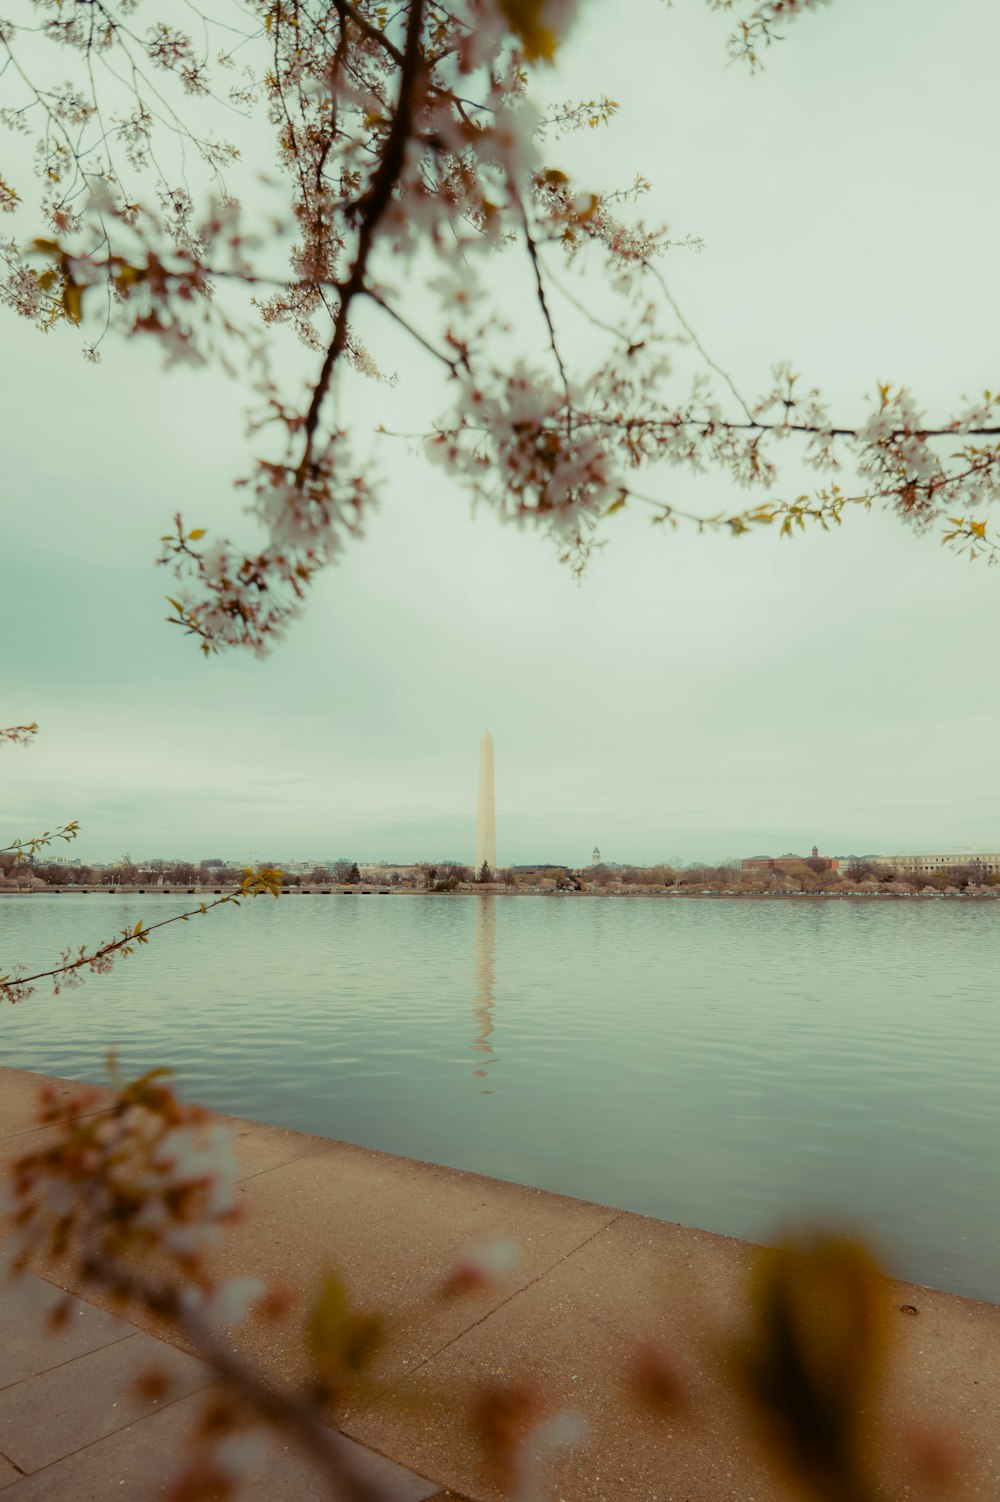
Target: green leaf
(341, 1340)
(524, 17)
(73, 302)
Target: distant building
(986, 863)
(595, 859)
(928, 864)
(764, 863)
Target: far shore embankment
(592, 1287)
(475, 889)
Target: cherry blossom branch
(452, 362)
(16, 987)
(23, 735)
(532, 249)
(147, 1175)
(17, 735)
(760, 26)
(300, 1418)
(371, 207)
(655, 272)
(349, 12)
(827, 507)
(20, 848)
(388, 155)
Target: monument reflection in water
(484, 975)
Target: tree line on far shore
(449, 876)
(808, 875)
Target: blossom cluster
(233, 598)
(148, 1175)
(760, 25)
(518, 446)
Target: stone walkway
(73, 1428)
(590, 1284)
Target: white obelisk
(486, 822)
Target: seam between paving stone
(101, 1438)
(9, 1387)
(162, 1407)
(164, 1340)
(516, 1294)
(12, 1463)
(365, 1444)
(45, 1126)
(310, 1152)
(69, 1360)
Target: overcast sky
(701, 697)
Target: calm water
(726, 1064)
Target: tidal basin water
(734, 1065)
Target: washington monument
(486, 822)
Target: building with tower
(764, 863)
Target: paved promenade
(590, 1283)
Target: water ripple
(724, 1064)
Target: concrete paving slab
(259, 1147)
(49, 1416)
(573, 1334)
(135, 1463)
(8, 1475)
(139, 1461)
(19, 1098)
(16, 1145)
(394, 1230)
(283, 1476)
(29, 1347)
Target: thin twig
(543, 303)
(657, 273)
(138, 936)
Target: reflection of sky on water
(726, 1064)
(484, 950)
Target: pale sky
(702, 697)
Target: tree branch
(372, 206)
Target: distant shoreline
(373, 889)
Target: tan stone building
(385, 870)
(928, 864)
